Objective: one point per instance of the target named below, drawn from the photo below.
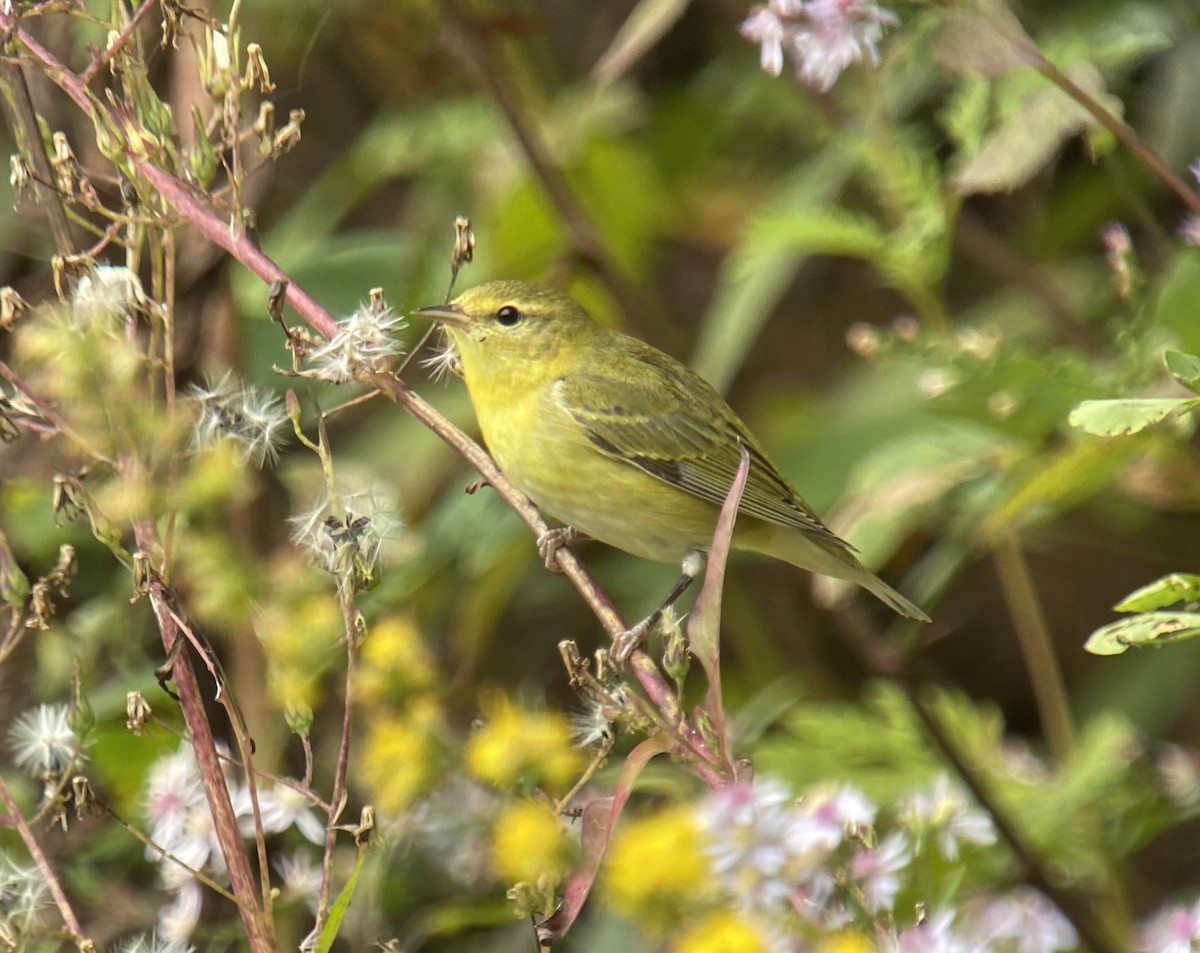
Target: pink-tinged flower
(834, 813)
(877, 871)
(839, 33)
(173, 792)
(934, 934)
(823, 37)
(764, 27)
(1172, 930)
(1023, 921)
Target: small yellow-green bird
(624, 443)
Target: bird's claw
(551, 541)
(625, 644)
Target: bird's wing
(654, 413)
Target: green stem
(1037, 648)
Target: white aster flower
(946, 814)
(1023, 921)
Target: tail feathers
(886, 594)
(830, 558)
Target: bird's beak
(446, 313)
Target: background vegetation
(957, 294)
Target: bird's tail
(885, 593)
(829, 557)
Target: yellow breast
(549, 457)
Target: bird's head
(511, 328)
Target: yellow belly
(547, 456)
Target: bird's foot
(551, 541)
(628, 642)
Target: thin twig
(118, 42)
(337, 796)
(1122, 130)
(17, 820)
(33, 147)
(1033, 635)
(259, 930)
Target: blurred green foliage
(906, 286)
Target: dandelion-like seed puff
(251, 419)
(365, 344)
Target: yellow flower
(394, 662)
(299, 639)
(399, 755)
(656, 867)
(516, 744)
(723, 932)
(846, 941)
(529, 844)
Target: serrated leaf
(1111, 418)
(646, 25)
(1185, 368)
(1028, 138)
(1147, 628)
(1167, 591)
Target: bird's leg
(630, 639)
(551, 541)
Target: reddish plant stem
(259, 932)
(118, 41)
(338, 794)
(17, 820)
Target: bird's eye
(508, 315)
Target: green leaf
(646, 25)
(1167, 591)
(202, 159)
(1029, 137)
(338, 911)
(1147, 628)
(1111, 418)
(965, 114)
(1185, 368)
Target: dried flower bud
(19, 176)
(257, 73)
(11, 306)
(137, 712)
(289, 136)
